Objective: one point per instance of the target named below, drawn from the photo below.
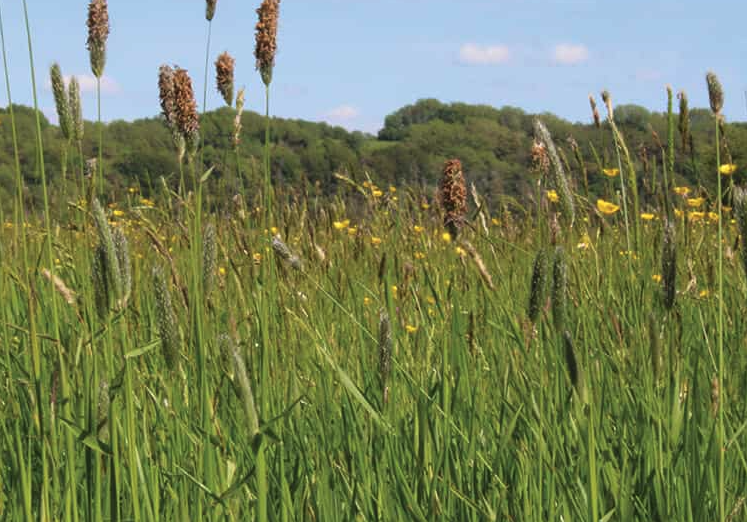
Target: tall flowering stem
(98, 32)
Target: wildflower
(341, 225)
(147, 202)
(682, 191)
(584, 243)
(274, 230)
(727, 169)
(375, 241)
(695, 216)
(352, 231)
(419, 255)
(418, 229)
(460, 251)
(411, 329)
(647, 217)
(703, 294)
(118, 213)
(222, 271)
(611, 173)
(425, 206)
(695, 202)
(132, 190)
(713, 217)
(394, 290)
(552, 196)
(377, 193)
(496, 221)
(257, 257)
(446, 237)
(726, 209)
(605, 207)
(392, 189)
(678, 213)
(656, 278)
(366, 301)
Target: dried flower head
(595, 112)
(266, 38)
(224, 67)
(185, 108)
(98, 32)
(715, 93)
(168, 106)
(453, 192)
(61, 101)
(540, 159)
(282, 251)
(210, 9)
(76, 109)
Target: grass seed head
(715, 93)
(684, 119)
(266, 38)
(385, 351)
(165, 318)
(209, 259)
(210, 9)
(185, 109)
(538, 289)
(560, 290)
(453, 192)
(595, 112)
(98, 32)
(112, 270)
(559, 179)
(100, 282)
(61, 101)
(122, 249)
(242, 384)
(284, 253)
(237, 118)
(574, 370)
(224, 72)
(76, 110)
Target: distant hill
(493, 144)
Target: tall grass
(315, 360)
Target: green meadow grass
(286, 357)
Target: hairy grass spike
(715, 93)
(559, 178)
(595, 112)
(185, 109)
(453, 193)
(210, 9)
(122, 249)
(242, 385)
(237, 118)
(571, 363)
(284, 253)
(538, 289)
(113, 272)
(61, 101)
(165, 318)
(385, 352)
(684, 119)
(266, 38)
(76, 110)
(100, 282)
(98, 32)
(224, 72)
(209, 259)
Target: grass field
(385, 354)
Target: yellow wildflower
(611, 173)
(375, 241)
(425, 206)
(656, 278)
(394, 290)
(392, 189)
(713, 217)
(678, 213)
(460, 251)
(682, 191)
(274, 230)
(647, 217)
(341, 225)
(703, 293)
(695, 216)
(132, 190)
(366, 301)
(118, 213)
(147, 202)
(418, 229)
(352, 231)
(695, 202)
(727, 169)
(257, 257)
(496, 221)
(366, 184)
(419, 255)
(552, 196)
(584, 243)
(377, 193)
(724, 208)
(222, 271)
(446, 237)
(411, 329)
(605, 207)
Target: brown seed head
(266, 38)
(224, 67)
(715, 93)
(540, 159)
(453, 193)
(98, 32)
(210, 9)
(185, 106)
(607, 99)
(595, 112)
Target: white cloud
(473, 54)
(570, 54)
(342, 113)
(88, 84)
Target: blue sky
(352, 62)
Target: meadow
(387, 353)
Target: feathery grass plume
(595, 112)
(560, 289)
(61, 101)
(237, 118)
(284, 253)
(209, 259)
(242, 385)
(655, 341)
(125, 268)
(98, 32)
(453, 193)
(684, 120)
(715, 93)
(168, 108)
(102, 410)
(559, 179)
(76, 110)
(669, 264)
(740, 214)
(224, 68)
(574, 369)
(112, 270)
(185, 110)
(538, 290)
(266, 38)
(385, 352)
(59, 285)
(210, 9)
(165, 318)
